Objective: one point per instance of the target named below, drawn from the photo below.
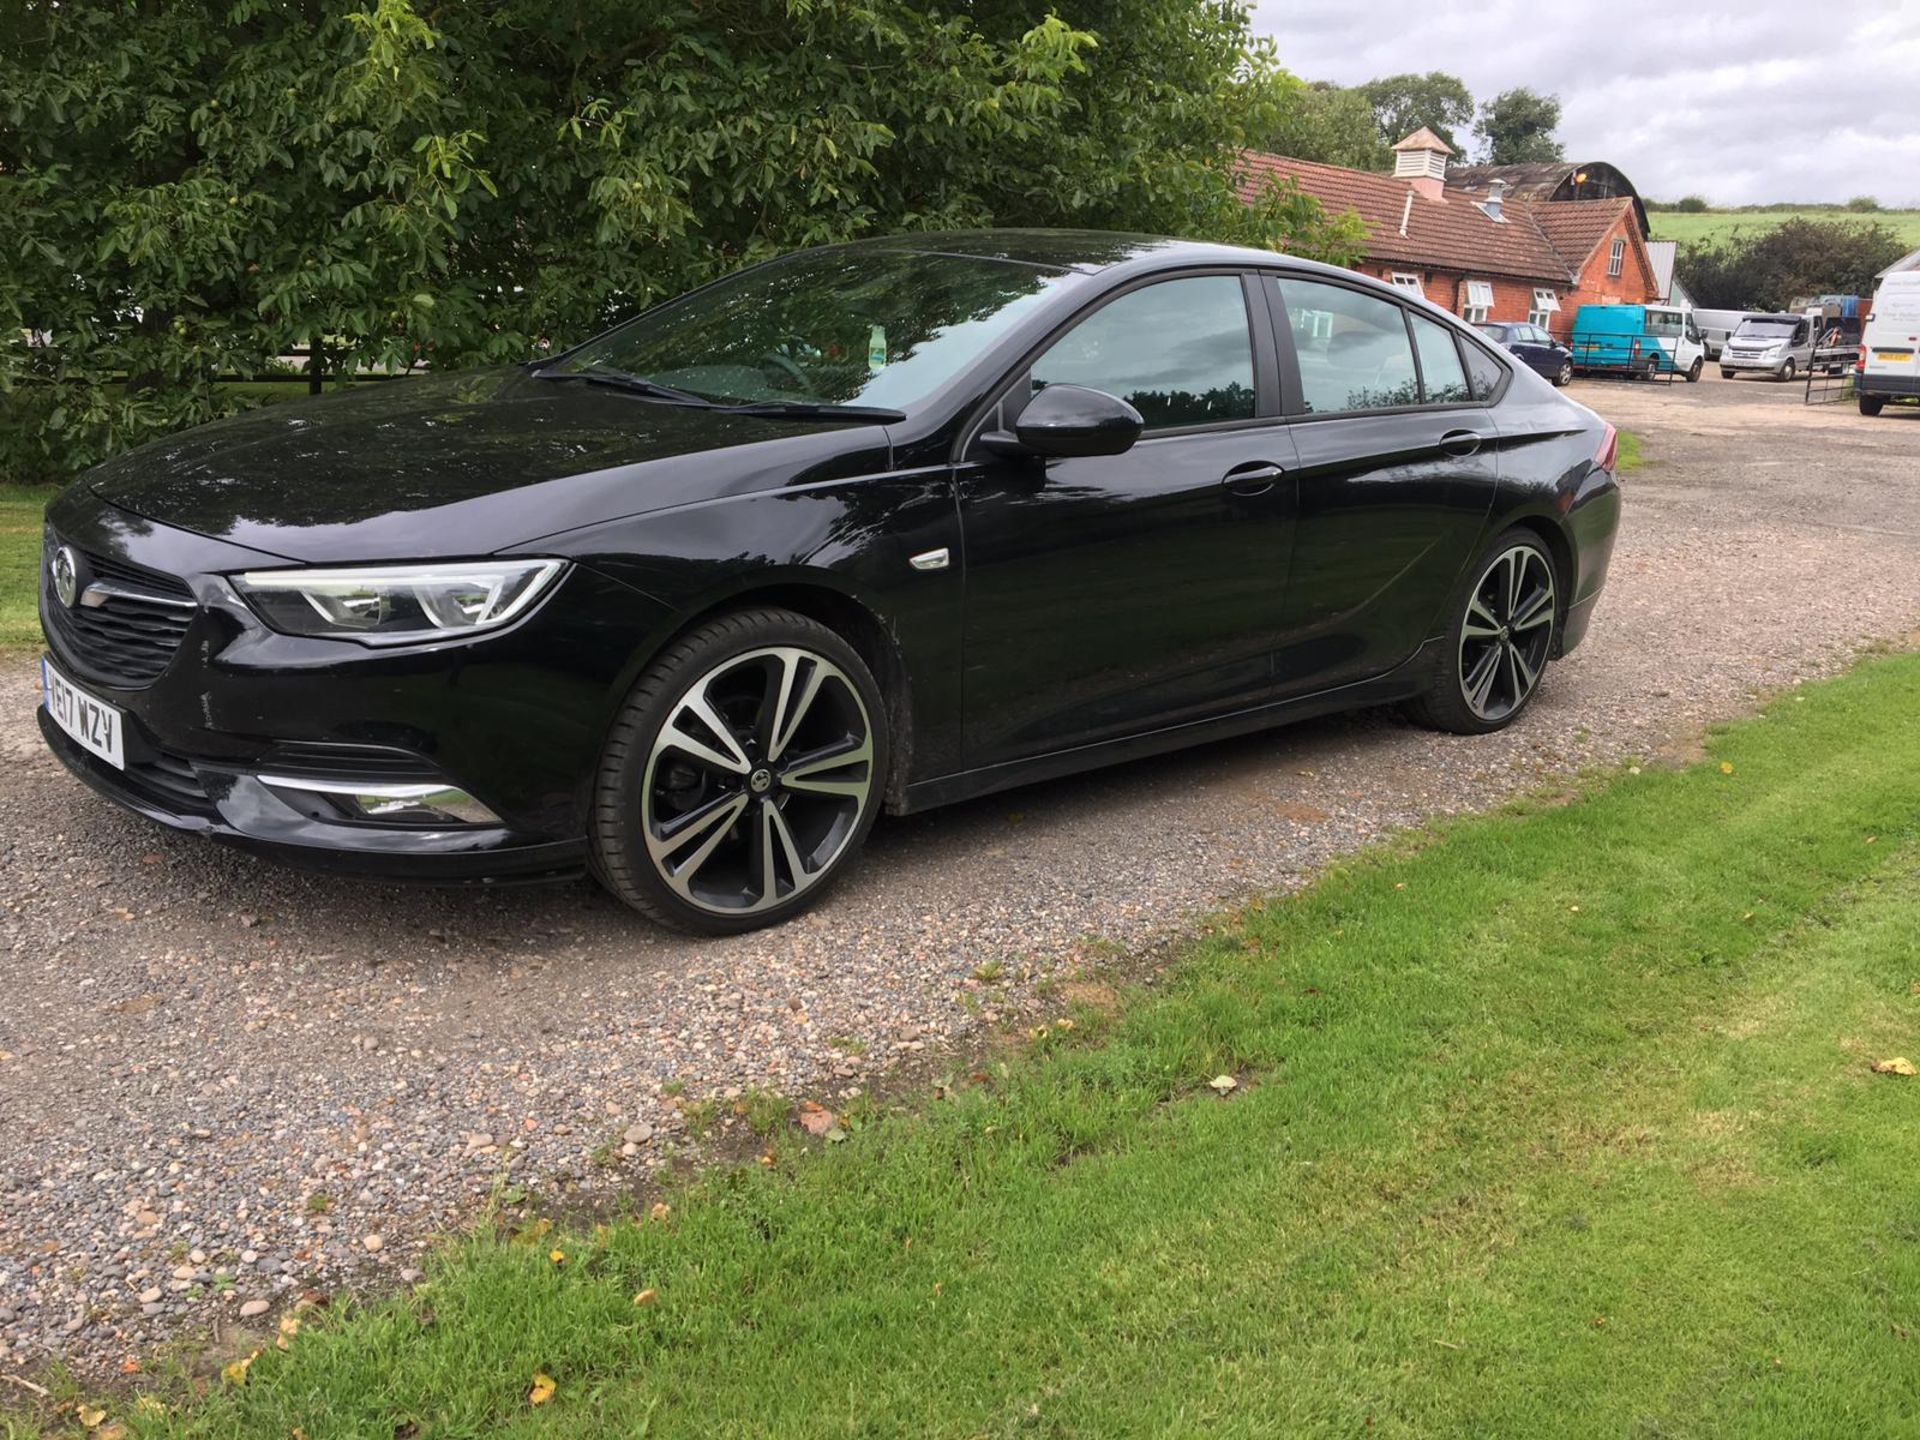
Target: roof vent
(1422, 159)
(1496, 190)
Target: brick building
(1488, 242)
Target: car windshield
(870, 327)
(1764, 329)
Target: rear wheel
(1869, 405)
(1503, 624)
(741, 776)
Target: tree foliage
(1403, 103)
(1330, 124)
(1517, 126)
(1770, 269)
(194, 187)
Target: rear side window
(1353, 349)
(1483, 372)
(1441, 376)
(1179, 352)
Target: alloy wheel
(1507, 632)
(757, 781)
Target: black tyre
(1787, 372)
(742, 774)
(1502, 624)
(1693, 370)
(1725, 374)
(1870, 405)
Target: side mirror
(1070, 420)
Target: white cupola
(1422, 158)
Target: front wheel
(1565, 377)
(1787, 372)
(1503, 624)
(1725, 374)
(1693, 370)
(741, 775)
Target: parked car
(1538, 349)
(1715, 326)
(882, 525)
(1778, 345)
(1639, 340)
(1889, 366)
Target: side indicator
(930, 559)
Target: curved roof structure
(1551, 180)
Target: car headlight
(396, 604)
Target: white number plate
(96, 725)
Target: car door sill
(1395, 684)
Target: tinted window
(1353, 348)
(1179, 352)
(1441, 377)
(1483, 372)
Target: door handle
(1460, 442)
(1250, 480)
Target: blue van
(1637, 340)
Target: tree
(1517, 126)
(1770, 269)
(1403, 103)
(194, 187)
(1332, 125)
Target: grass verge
(1629, 456)
(21, 507)
(1556, 1123)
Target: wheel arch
(854, 620)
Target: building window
(1617, 257)
(1405, 280)
(1546, 304)
(1478, 305)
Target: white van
(1889, 364)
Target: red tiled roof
(1575, 228)
(1450, 234)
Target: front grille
(169, 776)
(130, 639)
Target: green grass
(1559, 1123)
(1718, 224)
(1629, 456)
(21, 507)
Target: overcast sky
(1743, 103)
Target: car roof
(1086, 251)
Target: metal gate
(1830, 376)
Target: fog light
(414, 803)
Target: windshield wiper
(818, 410)
(634, 384)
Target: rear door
(1398, 464)
(1892, 342)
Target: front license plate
(94, 724)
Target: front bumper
(1774, 365)
(515, 718)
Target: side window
(1441, 376)
(1483, 372)
(1353, 348)
(1179, 352)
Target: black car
(887, 524)
(1539, 350)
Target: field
(1718, 224)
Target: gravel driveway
(222, 1082)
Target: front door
(1396, 475)
(1116, 594)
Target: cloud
(1743, 103)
